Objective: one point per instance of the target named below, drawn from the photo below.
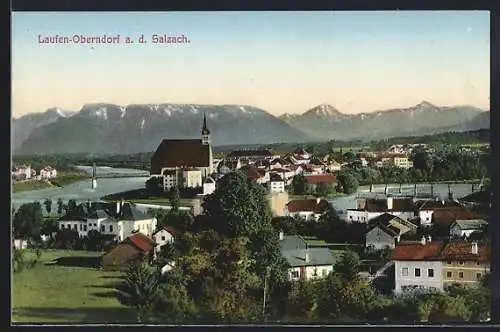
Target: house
(164, 236)
(314, 180)
(209, 186)
(48, 172)
(309, 209)
(386, 230)
(402, 162)
(333, 166)
(426, 209)
(22, 172)
(445, 217)
(255, 174)
(464, 262)
(314, 169)
(118, 219)
(278, 163)
(276, 183)
(19, 244)
(464, 228)
(228, 165)
(132, 248)
(304, 262)
(368, 209)
(184, 162)
(418, 265)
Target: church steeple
(205, 133)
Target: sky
(282, 62)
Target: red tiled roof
(322, 178)
(307, 205)
(447, 216)
(180, 153)
(417, 251)
(432, 204)
(380, 205)
(253, 173)
(141, 241)
(172, 230)
(462, 251)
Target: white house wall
(424, 280)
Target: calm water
(81, 190)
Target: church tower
(205, 140)
(205, 133)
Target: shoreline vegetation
(63, 178)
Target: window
(315, 272)
(430, 273)
(404, 271)
(478, 263)
(448, 262)
(163, 238)
(84, 228)
(448, 274)
(461, 275)
(75, 226)
(478, 276)
(417, 272)
(111, 228)
(323, 272)
(295, 274)
(102, 229)
(461, 262)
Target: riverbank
(65, 178)
(30, 185)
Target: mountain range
(326, 122)
(110, 128)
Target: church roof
(180, 153)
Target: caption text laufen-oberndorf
(115, 39)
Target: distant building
(314, 180)
(184, 163)
(386, 231)
(48, 172)
(371, 208)
(464, 228)
(276, 183)
(22, 172)
(164, 236)
(209, 186)
(255, 174)
(250, 154)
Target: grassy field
(30, 185)
(65, 287)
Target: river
(81, 190)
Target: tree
(323, 190)
(422, 161)
(140, 290)
(174, 305)
(299, 185)
(348, 267)
(48, 205)
(154, 185)
(72, 208)
(28, 221)
(347, 183)
(175, 199)
(60, 206)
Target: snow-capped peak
(324, 110)
(123, 109)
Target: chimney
(442, 202)
(118, 205)
(390, 202)
(429, 238)
(475, 249)
(318, 200)
(306, 258)
(281, 236)
(422, 241)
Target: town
(259, 236)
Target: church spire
(205, 133)
(205, 130)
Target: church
(184, 163)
